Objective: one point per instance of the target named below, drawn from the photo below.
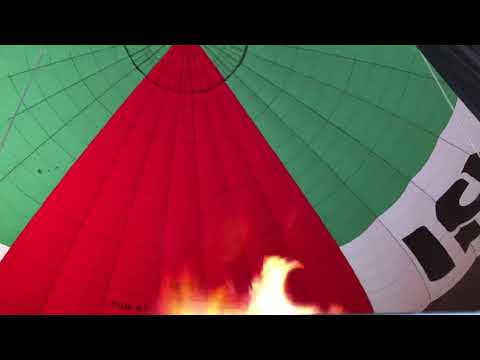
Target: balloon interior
(234, 179)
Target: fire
(267, 295)
(184, 298)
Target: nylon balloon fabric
(176, 181)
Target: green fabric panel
(352, 124)
(74, 91)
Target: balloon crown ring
(227, 60)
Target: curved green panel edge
(352, 124)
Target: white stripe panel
(388, 271)
(384, 269)
(3, 250)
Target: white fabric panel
(389, 272)
(385, 270)
(413, 210)
(463, 129)
(438, 174)
(397, 297)
(3, 250)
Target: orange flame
(267, 295)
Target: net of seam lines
(352, 124)
(71, 95)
